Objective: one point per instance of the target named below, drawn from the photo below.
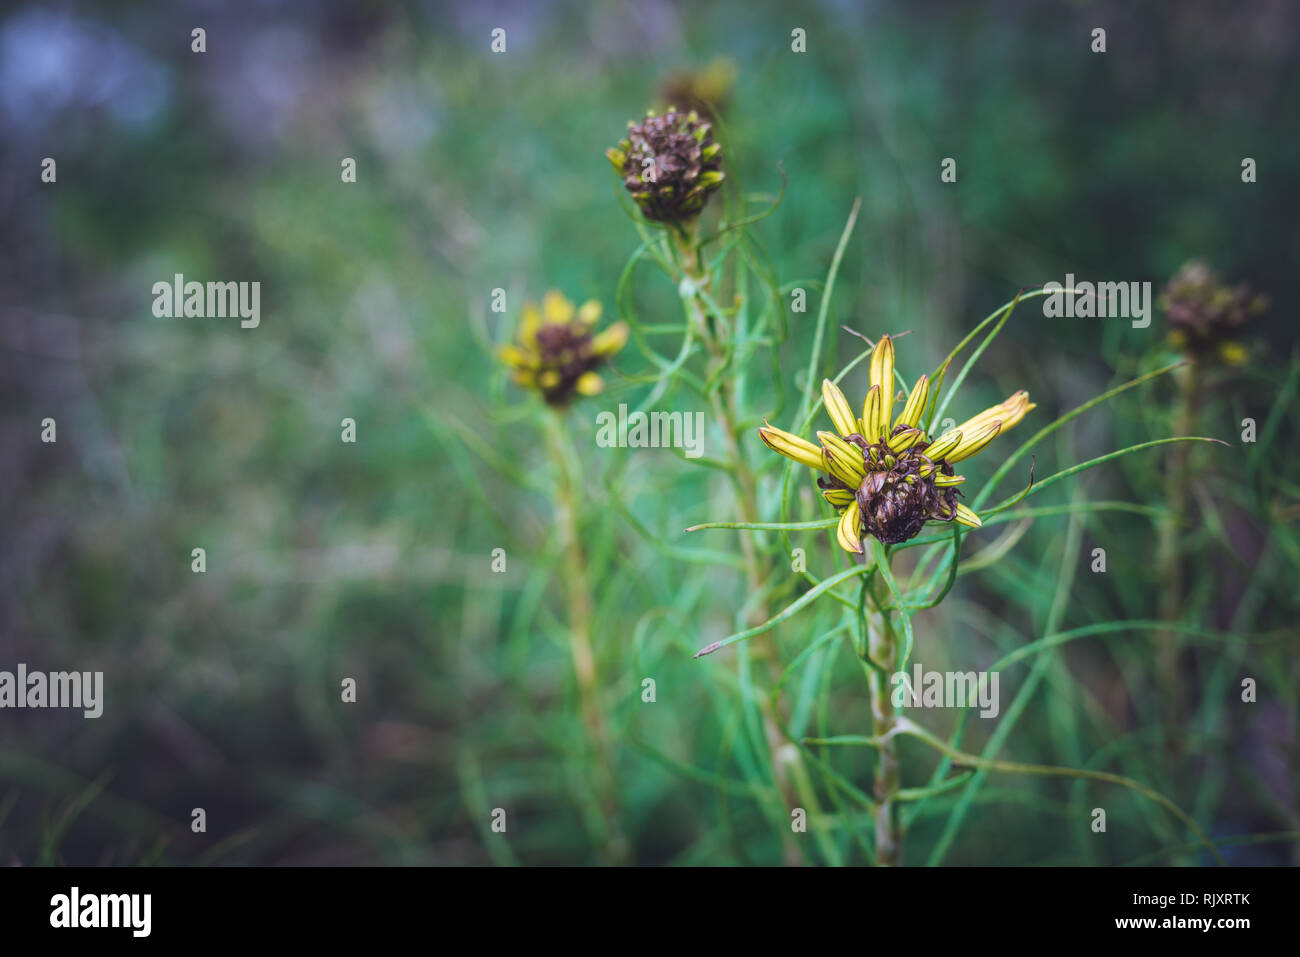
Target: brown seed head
(1205, 313)
(670, 165)
(898, 495)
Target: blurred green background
(371, 560)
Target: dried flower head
(883, 473)
(557, 350)
(1206, 316)
(670, 164)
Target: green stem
(578, 595)
(722, 401)
(882, 652)
(1170, 561)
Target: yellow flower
(882, 472)
(557, 350)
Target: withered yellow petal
(914, 408)
(1009, 412)
(905, 440)
(529, 323)
(589, 384)
(556, 308)
(967, 517)
(1233, 353)
(871, 415)
(848, 457)
(882, 377)
(943, 445)
(516, 358)
(838, 408)
(589, 313)
(792, 447)
(841, 468)
(609, 341)
(849, 530)
(839, 497)
(974, 441)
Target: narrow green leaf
(1101, 459)
(974, 357)
(801, 602)
(1051, 427)
(770, 526)
(823, 310)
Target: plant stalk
(1170, 559)
(722, 400)
(882, 648)
(578, 596)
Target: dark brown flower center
(566, 355)
(664, 163)
(1204, 311)
(898, 494)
